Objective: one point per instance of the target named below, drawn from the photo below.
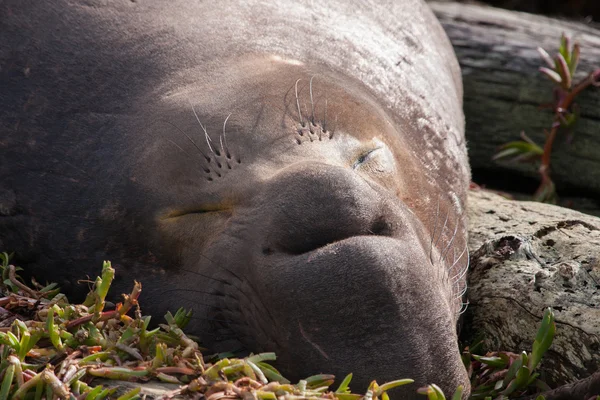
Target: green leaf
(130, 395)
(543, 339)
(392, 384)
(348, 396)
(183, 317)
(319, 380)
(519, 150)
(344, 386)
(271, 373)
(13, 341)
(265, 395)
(564, 49)
(262, 357)
(512, 371)
(48, 288)
(433, 392)
(94, 393)
(546, 57)
(522, 377)
(458, 393)
(7, 381)
(496, 362)
(574, 61)
(553, 75)
(562, 67)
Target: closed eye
(364, 157)
(198, 211)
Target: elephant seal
(293, 171)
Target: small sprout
(433, 392)
(564, 71)
(182, 317)
(390, 385)
(495, 362)
(546, 57)
(543, 340)
(7, 382)
(320, 380)
(519, 151)
(345, 385)
(561, 71)
(553, 75)
(458, 393)
(132, 394)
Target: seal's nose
(312, 205)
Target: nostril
(314, 205)
(381, 227)
(302, 243)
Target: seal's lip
(194, 211)
(338, 246)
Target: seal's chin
(367, 305)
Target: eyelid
(364, 157)
(196, 211)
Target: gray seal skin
(295, 172)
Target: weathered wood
(504, 90)
(528, 256)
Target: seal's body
(293, 171)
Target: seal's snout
(312, 205)
(364, 305)
(349, 277)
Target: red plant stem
(104, 316)
(562, 106)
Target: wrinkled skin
(322, 219)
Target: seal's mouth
(332, 239)
(347, 302)
(335, 246)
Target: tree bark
(504, 91)
(526, 257)
(585, 389)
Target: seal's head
(293, 171)
(302, 223)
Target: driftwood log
(504, 90)
(528, 256)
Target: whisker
(459, 275)
(325, 117)
(188, 154)
(437, 213)
(207, 276)
(220, 266)
(442, 231)
(208, 139)
(444, 254)
(312, 104)
(463, 307)
(298, 103)
(225, 282)
(462, 292)
(223, 139)
(334, 128)
(190, 139)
